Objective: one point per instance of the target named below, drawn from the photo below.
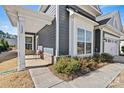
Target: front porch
(27, 21)
(33, 61)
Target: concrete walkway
(100, 78)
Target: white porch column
(71, 32)
(101, 44)
(21, 44)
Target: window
(105, 40)
(109, 40)
(84, 41)
(28, 43)
(81, 41)
(88, 41)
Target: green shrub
(92, 64)
(122, 49)
(61, 65)
(105, 57)
(1, 48)
(84, 65)
(72, 67)
(84, 62)
(2, 42)
(67, 65)
(88, 62)
(76, 58)
(96, 57)
(6, 44)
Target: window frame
(88, 41)
(32, 43)
(85, 41)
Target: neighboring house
(75, 30)
(12, 39)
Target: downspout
(57, 31)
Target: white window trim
(73, 24)
(73, 36)
(32, 36)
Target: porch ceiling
(33, 20)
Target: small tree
(1, 48)
(7, 45)
(3, 44)
(122, 49)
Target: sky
(109, 8)
(6, 26)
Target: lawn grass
(20, 79)
(8, 65)
(119, 81)
(13, 79)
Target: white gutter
(95, 9)
(73, 12)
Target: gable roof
(112, 19)
(104, 21)
(123, 29)
(105, 16)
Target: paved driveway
(100, 78)
(119, 59)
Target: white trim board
(78, 21)
(36, 42)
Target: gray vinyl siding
(47, 36)
(51, 10)
(63, 30)
(64, 26)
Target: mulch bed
(73, 76)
